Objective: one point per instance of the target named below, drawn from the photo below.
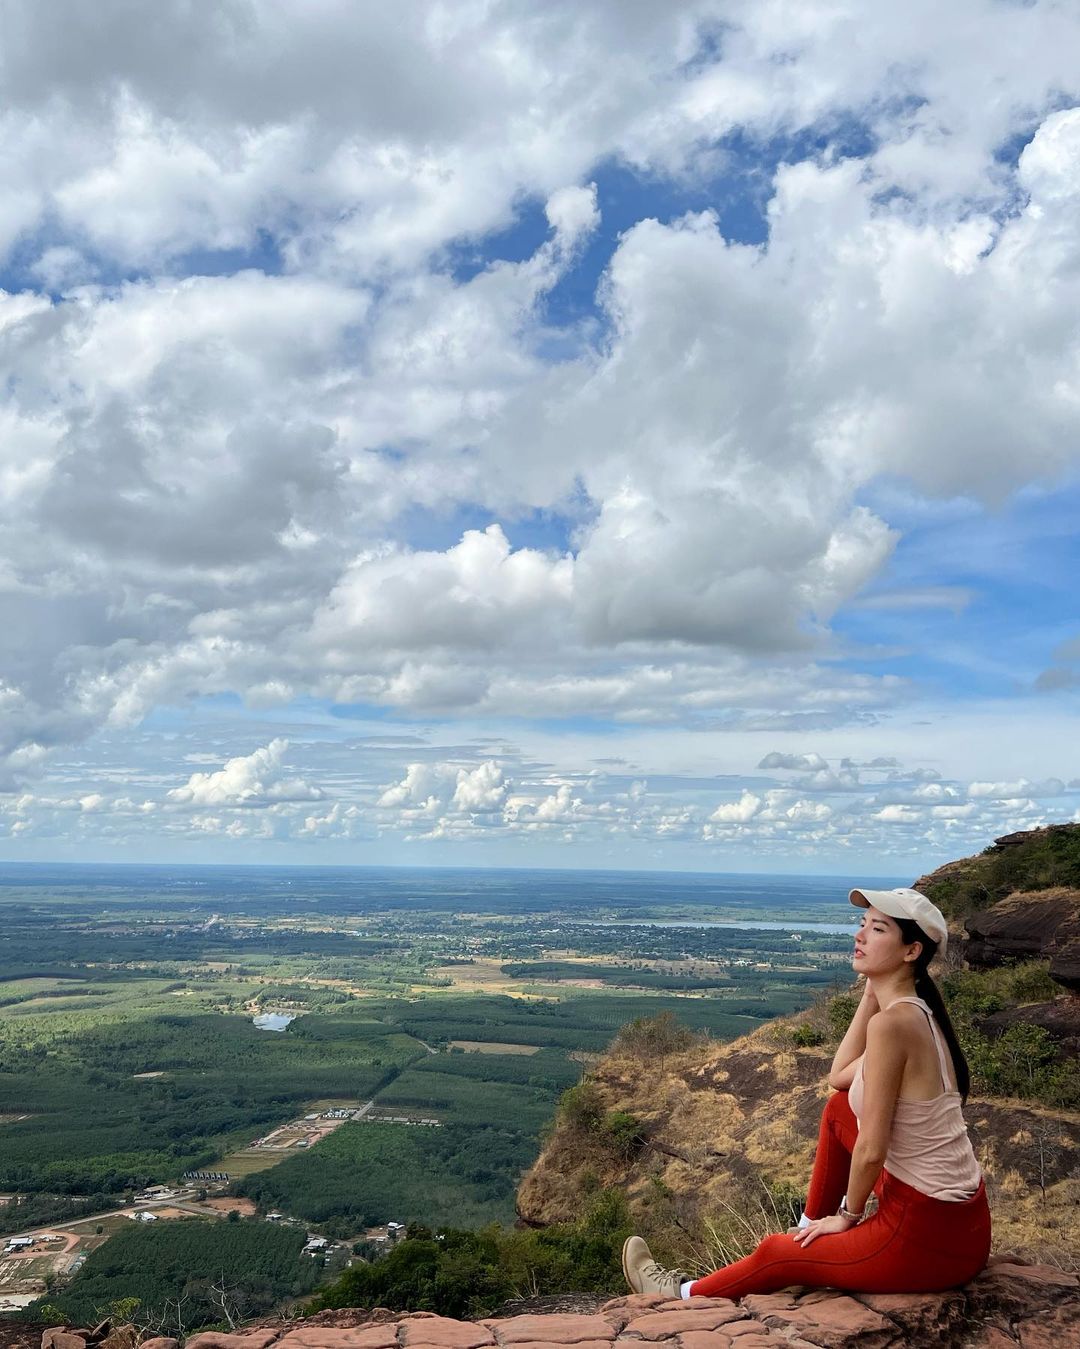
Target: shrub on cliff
(1040, 860)
(653, 1038)
(458, 1273)
(583, 1119)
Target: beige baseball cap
(906, 903)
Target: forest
(180, 1275)
(366, 1174)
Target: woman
(894, 1126)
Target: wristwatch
(845, 1212)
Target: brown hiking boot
(644, 1275)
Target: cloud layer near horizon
(284, 420)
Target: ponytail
(928, 991)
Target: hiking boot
(644, 1275)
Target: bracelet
(846, 1213)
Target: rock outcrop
(1020, 899)
(1027, 925)
(742, 1119)
(1030, 1306)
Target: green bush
(840, 1011)
(806, 1035)
(1046, 858)
(1031, 982)
(458, 1273)
(581, 1108)
(622, 1132)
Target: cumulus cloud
(248, 780)
(805, 763)
(287, 415)
(431, 788)
(1002, 791)
(737, 812)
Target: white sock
(684, 1288)
(804, 1221)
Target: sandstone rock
(1005, 1295)
(56, 1337)
(346, 1318)
(1061, 1019)
(331, 1337)
(160, 1342)
(422, 1328)
(837, 1323)
(738, 1335)
(585, 1344)
(991, 1338)
(765, 1304)
(216, 1339)
(926, 1318)
(123, 1337)
(635, 1301)
(1055, 1330)
(566, 1329)
(703, 1339)
(1026, 925)
(664, 1325)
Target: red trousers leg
(912, 1244)
(832, 1161)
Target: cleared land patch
(493, 1047)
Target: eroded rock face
(1027, 1305)
(1061, 1019)
(1028, 925)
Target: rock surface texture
(1028, 1305)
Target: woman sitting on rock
(894, 1127)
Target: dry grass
(737, 1227)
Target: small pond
(273, 1020)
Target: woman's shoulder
(900, 1021)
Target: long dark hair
(926, 989)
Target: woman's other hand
(822, 1227)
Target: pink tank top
(929, 1148)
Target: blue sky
(652, 442)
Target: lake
(273, 1020)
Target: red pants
(912, 1244)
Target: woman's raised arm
(853, 1045)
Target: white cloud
(1000, 791)
(481, 790)
(737, 812)
(806, 763)
(323, 472)
(248, 780)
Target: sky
(535, 433)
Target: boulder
(1028, 925)
(1060, 1019)
(1009, 1304)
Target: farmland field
(128, 1052)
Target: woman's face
(879, 946)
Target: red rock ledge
(1034, 1306)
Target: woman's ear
(913, 952)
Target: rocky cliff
(1034, 1307)
(1019, 898)
(725, 1133)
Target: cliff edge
(1031, 1306)
(704, 1138)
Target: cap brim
(882, 900)
(887, 902)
